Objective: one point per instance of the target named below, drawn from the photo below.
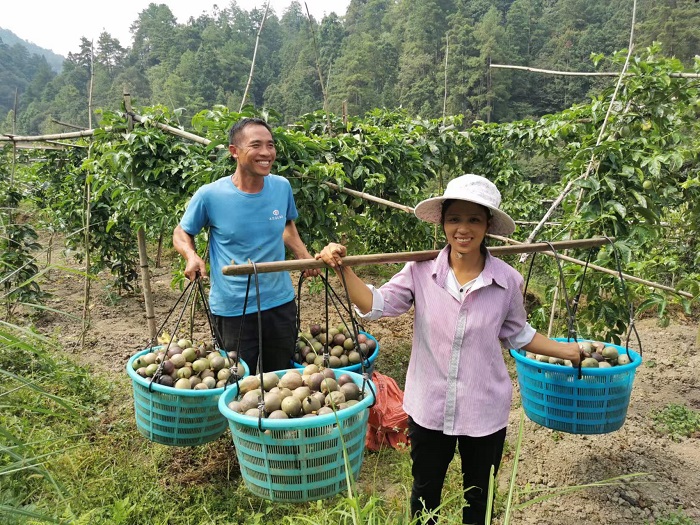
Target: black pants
(432, 451)
(279, 335)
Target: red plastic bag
(388, 423)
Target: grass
(677, 421)
(676, 518)
(70, 453)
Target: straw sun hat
(471, 188)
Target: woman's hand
(574, 351)
(333, 254)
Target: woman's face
(465, 226)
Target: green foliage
(18, 243)
(633, 181)
(675, 518)
(677, 421)
(426, 56)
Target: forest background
(429, 57)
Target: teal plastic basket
(553, 396)
(301, 459)
(357, 367)
(171, 416)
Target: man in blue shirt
(250, 216)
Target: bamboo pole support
(400, 257)
(143, 253)
(368, 197)
(255, 54)
(583, 73)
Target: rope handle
(570, 312)
(333, 298)
(630, 306)
(356, 325)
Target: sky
(58, 24)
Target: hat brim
(430, 210)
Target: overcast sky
(58, 24)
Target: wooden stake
(143, 253)
(255, 53)
(400, 257)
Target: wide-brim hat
(470, 188)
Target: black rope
(365, 374)
(167, 317)
(574, 306)
(630, 306)
(159, 370)
(218, 340)
(566, 298)
(261, 402)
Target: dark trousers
(431, 453)
(279, 335)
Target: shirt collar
(490, 274)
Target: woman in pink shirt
(467, 305)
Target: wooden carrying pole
(389, 258)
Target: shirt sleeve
(377, 306)
(195, 217)
(515, 328)
(292, 212)
(522, 338)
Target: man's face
(254, 150)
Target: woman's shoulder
(502, 269)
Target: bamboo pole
(549, 253)
(10, 137)
(390, 258)
(88, 256)
(324, 92)
(255, 54)
(369, 197)
(143, 253)
(592, 162)
(584, 73)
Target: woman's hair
(448, 202)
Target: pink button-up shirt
(457, 381)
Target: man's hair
(238, 127)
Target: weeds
(677, 421)
(676, 518)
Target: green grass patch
(677, 421)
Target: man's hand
(195, 267)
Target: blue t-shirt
(243, 226)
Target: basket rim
(298, 423)
(350, 368)
(573, 371)
(169, 389)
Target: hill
(54, 60)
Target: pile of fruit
(344, 348)
(184, 365)
(595, 353)
(295, 393)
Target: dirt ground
(549, 460)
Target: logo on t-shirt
(276, 216)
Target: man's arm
(293, 242)
(183, 242)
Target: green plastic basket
(170, 416)
(301, 459)
(553, 396)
